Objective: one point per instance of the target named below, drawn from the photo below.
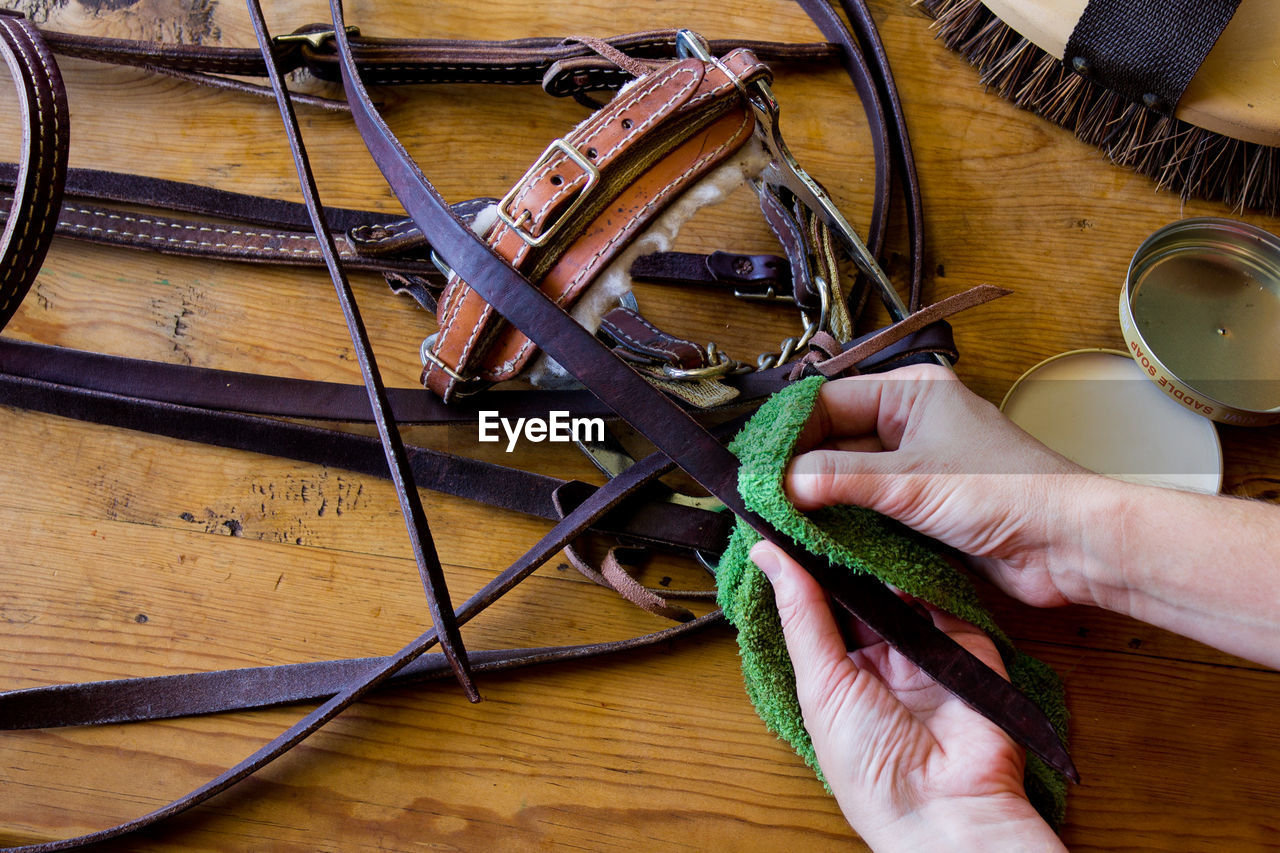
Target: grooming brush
(1215, 140)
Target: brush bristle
(1177, 155)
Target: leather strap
(207, 388)
(613, 575)
(186, 694)
(667, 526)
(673, 432)
(233, 226)
(787, 226)
(583, 201)
(883, 140)
(33, 209)
(562, 66)
(846, 362)
(424, 552)
(750, 276)
(104, 187)
(904, 165)
(636, 339)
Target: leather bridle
(215, 407)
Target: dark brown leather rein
(618, 386)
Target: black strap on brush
(1147, 50)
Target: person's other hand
(912, 767)
(918, 446)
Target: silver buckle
(784, 172)
(516, 223)
(429, 356)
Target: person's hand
(918, 446)
(912, 767)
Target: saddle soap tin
(1097, 408)
(1200, 312)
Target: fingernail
(766, 560)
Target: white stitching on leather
(179, 226)
(17, 273)
(593, 133)
(658, 343)
(451, 311)
(589, 265)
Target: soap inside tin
(1099, 409)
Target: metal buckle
(786, 173)
(516, 223)
(718, 365)
(429, 357)
(315, 38)
(612, 459)
(439, 263)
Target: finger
(870, 405)
(844, 408)
(857, 444)
(856, 633)
(976, 641)
(814, 642)
(834, 478)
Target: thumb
(836, 477)
(814, 641)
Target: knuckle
(925, 373)
(813, 478)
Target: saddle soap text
(557, 426)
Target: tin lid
(1200, 312)
(1099, 408)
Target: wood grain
(133, 555)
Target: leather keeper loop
(639, 340)
(580, 74)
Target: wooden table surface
(129, 555)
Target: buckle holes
(556, 180)
(592, 153)
(627, 124)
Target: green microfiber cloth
(864, 541)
